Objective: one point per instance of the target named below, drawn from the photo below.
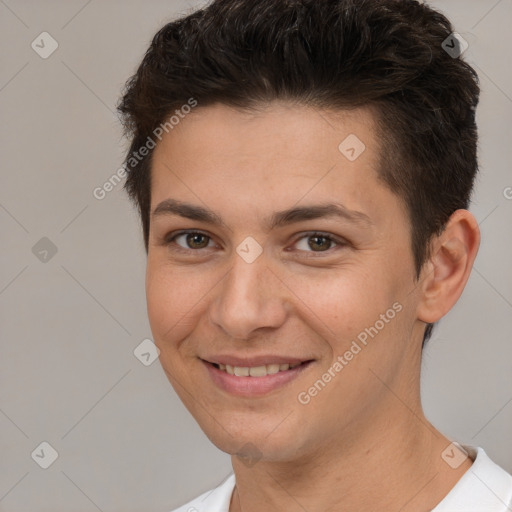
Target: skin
(363, 442)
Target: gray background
(69, 325)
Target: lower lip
(253, 386)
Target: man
(303, 170)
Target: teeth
(272, 368)
(257, 371)
(241, 371)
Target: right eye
(192, 241)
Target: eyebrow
(277, 219)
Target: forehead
(282, 153)
(276, 130)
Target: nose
(250, 297)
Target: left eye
(315, 241)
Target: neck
(395, 464)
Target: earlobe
(447, 272)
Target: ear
(445, 275)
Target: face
(271, 246)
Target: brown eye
(317, 242)
(189, 240)
(197, 240)
(320, 242)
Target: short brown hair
(329, 54)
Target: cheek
(342, 303)
(362, 319)
(174, 297)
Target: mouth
(255, 380)
(257, 371)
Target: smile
(256, 380)
(256, 371)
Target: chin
(255, 443)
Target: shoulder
(485, 487)
(214, 500)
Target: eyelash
(170, 240)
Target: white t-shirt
(484, 487)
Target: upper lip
(254, 361)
